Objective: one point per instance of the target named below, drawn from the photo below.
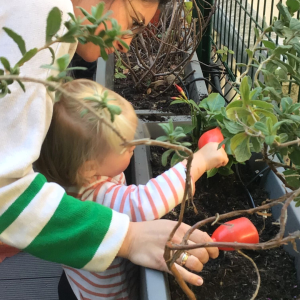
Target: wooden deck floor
(24, 277)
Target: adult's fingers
(189, 277)
(200, 253)
(192, 262)
(199, 236)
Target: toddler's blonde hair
(76, 135)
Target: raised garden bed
(147, 106)
(230, 276)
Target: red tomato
(213, 135)
(240, 230)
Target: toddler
(84, 155)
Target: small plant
(224, 53)
(173, 136)
(119, 65)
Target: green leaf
(256, 144)
(240, 146)
(63, 62)
(240, 111)
(293, 5)
(284, 12)
(187, 128)
(267, 114)
(271, 80)
(269, 140)
(214, 102)
(87, 15)
(17, 39)
(261, 127)
(284, 65)
(285, 103)
(256, 32)
(225, 171)
(164, 157)
(273, 93)
(236, 103)
(165, 127)
(27, 56)
(241, 65)
(283, 137)
(278, 124)
(269, 44)
(5, 63)
(21, 85)
(53, 23)
(162, 138)
(175, 159)
(295, 25)
(282, 49)
(98, 11)
(250, 53)
(261, 104)
(177, 102)
(212, 172)
(294, 108)
(233, 127)
(293, 57)
(52, 55)
(255, 93)
(294, 180)
(245, 90)
(295, 156)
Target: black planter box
(154, 283)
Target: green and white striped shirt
(37, 216)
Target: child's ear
(88, 169)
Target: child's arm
(207, 158)
(163, 193)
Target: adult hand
(145, 242)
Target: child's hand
(207, 158)
(211, 156)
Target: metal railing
(233, 27)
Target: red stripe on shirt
(132, 212)
(162, 195)
(154, 210)
(97, 189)
(103, 286)
(128, 190)
(96, 294)
(179, 177)
(108, 276)
(140, 208)
(170, 184)
(114, 196)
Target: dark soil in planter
(231, 276)
(141, 100)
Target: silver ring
(184, 258)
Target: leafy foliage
(262, 118)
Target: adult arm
(36, 216)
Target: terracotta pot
(240, 230)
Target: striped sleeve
(146, 202)
(41, 219)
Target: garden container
(197, 90)
(154, 284)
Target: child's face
(115, 162)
